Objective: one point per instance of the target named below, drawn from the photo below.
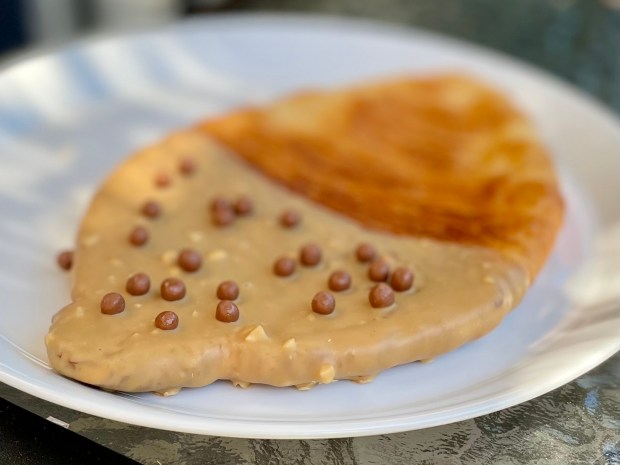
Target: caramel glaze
(462, 290)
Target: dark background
(578, 40)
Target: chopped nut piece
(168, 392)
(257, 334)
(240, 384)
(216, 255)
(290, 344)
(195, 236)
(169, 257)
(327, 373)
(306, 386)
(91, 240)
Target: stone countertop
(578, 40)
(579, 423)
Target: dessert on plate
(330, 235)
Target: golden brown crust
(443, 157)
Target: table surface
(579, 423)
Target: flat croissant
(362, 228)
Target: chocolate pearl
(65, 259)
(163, 180)
(112, 303)
(284, 266)
(172, 289)
(139, 236)
(223, 216)
(167, 320)
(310, 255)
(227, 290)
(187, 166)
(378, 271)
(339, 280)
(290, 218)
(189, 260)
(244, 206)
(323, 303)
(226, 311)
(402, 279)
(151, 209)
(365, 253)
(381, 295)
(220, 203)
(138, 284)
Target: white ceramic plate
(67, 118)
